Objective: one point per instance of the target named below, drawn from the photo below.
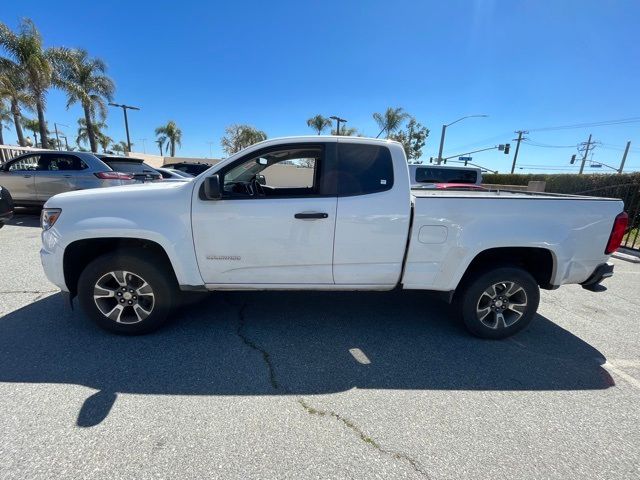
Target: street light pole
(338, 120)
(55, 127)
(444, 131)
(126, 120)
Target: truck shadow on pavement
(279, 343)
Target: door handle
(67, 176)
(26, 176)
(311, 216)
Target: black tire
(505, 319)
(158, 296)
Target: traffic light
(573, 159)
(506, 148)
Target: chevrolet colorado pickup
(322, 213)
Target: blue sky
(526, 64)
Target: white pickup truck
(322, 213)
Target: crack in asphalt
(415, 465)
(251, 344)
(364, 437)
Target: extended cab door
(275, 221)
(374, 208)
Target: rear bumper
(602, 271)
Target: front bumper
(602, 271)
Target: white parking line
(359, 356)
(612, 368)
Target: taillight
(617, 232)
(114, 176)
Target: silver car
(33, 178)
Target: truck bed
(451, 227)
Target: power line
(544, 145)
(620, 121)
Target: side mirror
(212, 190)
(261, 180)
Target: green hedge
(569, 183)
(625, 186)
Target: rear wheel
(127, 292)
(499, 303)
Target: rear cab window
(363, 169)
(445, 175)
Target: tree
(84, 80)
(33, 125)
(345, 131)
(160, 142)
(391, 120)
(319, 123)
(120, 147)
(83, 131)
(238, 137)
(28, 56)
(5, 117)
(413, 138)
(12, 88)
(104, 141)
(172, 134)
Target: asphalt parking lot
(315, 385)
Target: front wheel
(127, 292)
(499, 303)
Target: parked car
(33, 178)
(171, 175)
(432, 174)
(350, 223)
(140, 171)
(191, 168)
(6, 206)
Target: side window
(65, 163)
(286, 172)
(363, 169)
(29, 163)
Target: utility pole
(338, 120)
(444, 131)
(624, 156)
(515, 155)
(55, 127)
(126, 120)
(586, 153)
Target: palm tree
(83, 131)
(172, 134)
(104, 141)
(33, 125)
(345, 131)
(28, 56)
(160, 142)
(83, 79)
(319, 123)
(390, 121)
(120, 147)
(12, 87)
(5, 116)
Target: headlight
(48, 217)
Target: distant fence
(629, 193)
(7, 152)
